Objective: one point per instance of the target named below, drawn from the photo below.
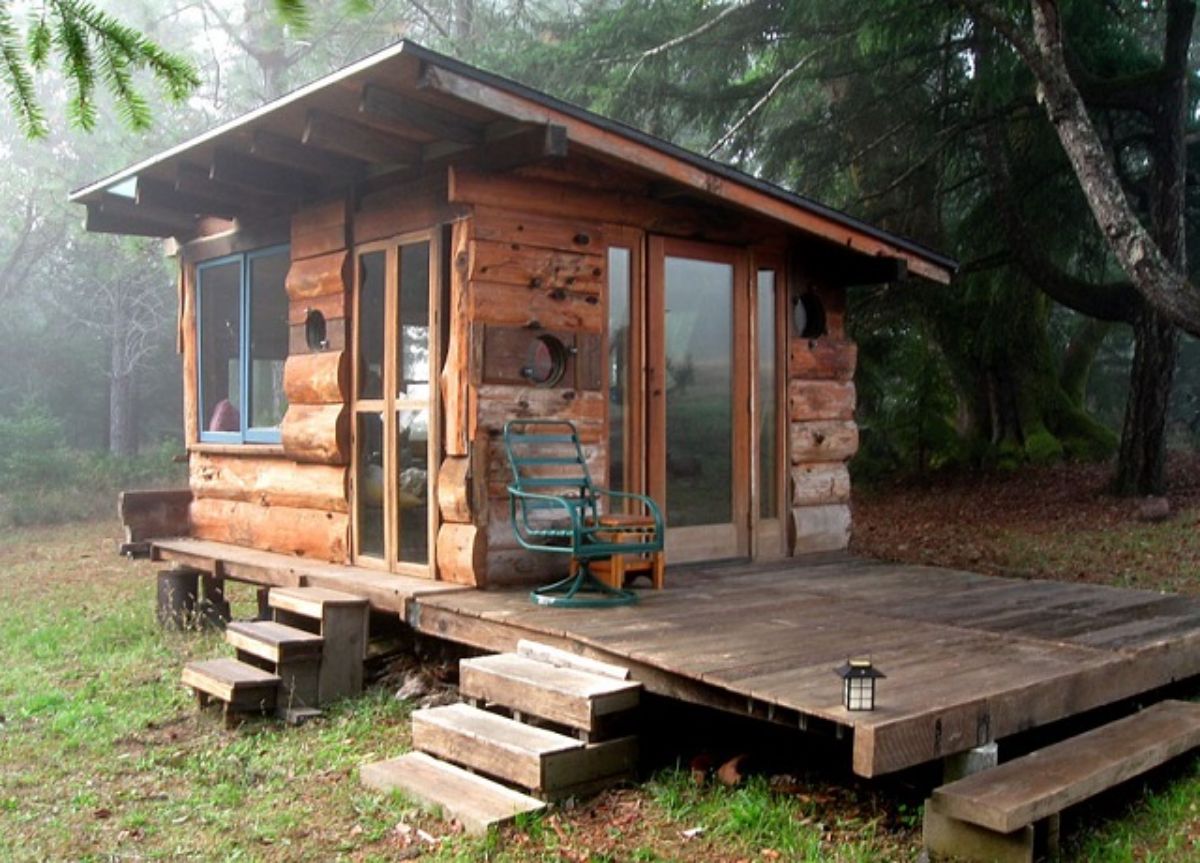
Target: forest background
(911, 114)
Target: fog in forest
(891, 122)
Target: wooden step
(578, 699)
(476, 803)
(542, 761)
(991, 814)
(241, 686)
(312, 601)
(272, 641)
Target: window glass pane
(372, 285)
(412, 483)
(268, 339)
(371, 486)
(768, 445)
(412, 346)
(219, 316)
(699, 378)
(618, 364)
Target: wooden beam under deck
(385, 591)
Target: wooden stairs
(540, 720)
(308, 654)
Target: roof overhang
(406, 111)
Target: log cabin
(378, 270)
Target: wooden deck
(969, 658)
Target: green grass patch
(104, 756)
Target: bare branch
(765, 98)
(429, 16)
(681, 39)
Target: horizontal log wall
(512, 269)
(294, 499)
(822, 433)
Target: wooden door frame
(769, 536)
(704, 542)
(634, 457)
(390, 404)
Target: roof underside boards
(405, 112)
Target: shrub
(44, 481)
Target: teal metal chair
(555, 508)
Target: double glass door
(394, 418)
(698, 428)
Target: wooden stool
(631, 529)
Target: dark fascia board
(515, 88)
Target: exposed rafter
(197, 181)
(164, 195)
(119, 215)
(281, 150)
(392, 112)
(247, 172)
(331, 132)
(527, 147)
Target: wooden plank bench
(994, 815)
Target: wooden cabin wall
(514, 276)
(822, 433)
(291, 498)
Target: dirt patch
(1056, 522)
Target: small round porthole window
(314, 331)
(546, 361)
(808, 316)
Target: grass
(103, 756)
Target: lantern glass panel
(860, 693)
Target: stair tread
(499, 731)
(274, 642)
(474, 801)
(567, 681)
(312, 601)
(275, 634)
(231, 672)
(319, 594)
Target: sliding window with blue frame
(242, 345)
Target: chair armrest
(568, 505)
(646, 501)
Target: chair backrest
(546, 458)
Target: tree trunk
(1142, 459)
(122, 427)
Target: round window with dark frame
(315, 333)
(546, 361)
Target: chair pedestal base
(581, 589)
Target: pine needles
(95, 50)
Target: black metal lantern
(858, 683)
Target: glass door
(394, 430)
(699, 361)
